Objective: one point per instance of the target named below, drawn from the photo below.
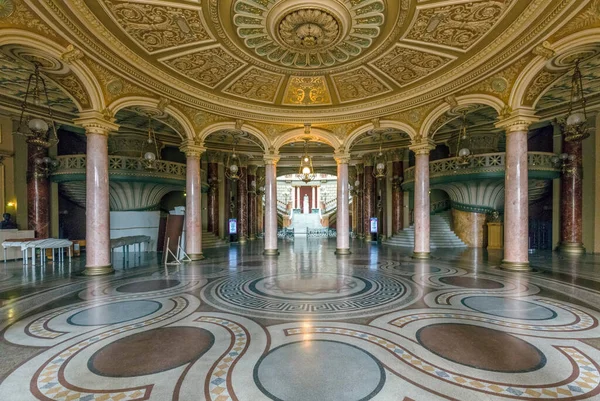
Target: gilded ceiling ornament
(451, 100)
(157, 27)
(163, 103)
(589, 17)
(499, 84)
(208, 67)
(115, 86)
(494, 84)
(458, 25)
(71, 54)
(414, 116)
(74, 87)
(320, 35)
(307, 91)
(257, 85)
(540, 83)
(358, 84)
(544, 50)
(406, 65)
(7, 8)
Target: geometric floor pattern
(307, 325)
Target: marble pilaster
(193, 207)
(360, 226)
(397, 197)
(252, 212)
(368, 200)
(212, 199)
(422, 206)
(571, 200)
(97, 220)
(343, 199)
(271, 205)
(242, 204)
(38, 191)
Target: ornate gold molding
(192, 149)
(95, 123)
(423, 146)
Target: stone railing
(321, 232)
(74, 164)
(487, 163)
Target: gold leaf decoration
(540, 83)
(358, 84)
(21, 16)
(113, 86)
(307, 91)
(74, 87)
(157, 27)
(588, 18)
(209, 67)
(458, 25)
(256, 84)
(407, 65)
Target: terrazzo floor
(307, 325)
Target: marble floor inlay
(307, 325)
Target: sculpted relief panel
(257, 85)
(358, 84)
(157, 27)
(209, 67)
(307, 91)
(406, 65)
(458, 25)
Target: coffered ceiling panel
(256, 84)
(358, 84)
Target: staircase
(301, 222)
(209, 240)
(441, 234)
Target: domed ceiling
(287, 60)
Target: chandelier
(380, 169)
(464, 154)
(40, 132)
(233, 161)
(306, 173)
(148, 156)
(575, 127)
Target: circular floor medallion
(481, 348)
(117, 312)
(151, 351)
(147, 286)
(310, 295)
(310, 370)
(509, 307)
(471, 282)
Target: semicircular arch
(318, 134)
(231, 125)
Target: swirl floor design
(304, 326)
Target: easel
(177, 258)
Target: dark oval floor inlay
(471, 282)
(148, 285)
(152, 351)
(481, 348)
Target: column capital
(191, 148)
(342, 158)
(517, 121)
(96, 122)
(422, 147)
(252, 168)
(272, 159)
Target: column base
(421, 255)
(242, 240)
(515, 266)
(271, 252)
(196, 256)
(251, 238)
(571, 248)
(98, 270)
(382, 238)
(342, 251)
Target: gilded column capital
(272, 159)
(423, 147)
(517, 121)
(96, 123)
(252, 168)
(342, 158)
(192, 149)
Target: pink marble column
(271, 205)
(252, 223)
(422, 249)
(571, 200)
(38, 191)
(242, 204)
(397, 198)
(516, 200)
(368, 201)
(97, 220)
(212, 199)
(343, 216)
(193, 210)
(359, 201)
